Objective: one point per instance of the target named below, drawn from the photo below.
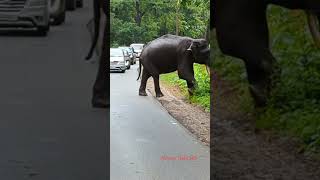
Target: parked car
(127, 58)
(26, 14)
(137, 48)
(117, 60)
(132, 55)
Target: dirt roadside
(194, 118)
(240, 152)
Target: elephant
(101, 88)
(242, 32)
(170, 53)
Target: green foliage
(202, 93)
(294, 108)
(151, 19)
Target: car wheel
(80, 3)
(60, 19)
(123, 71)
(128, 67)
(71, 5)
(43, 30)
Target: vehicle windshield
(116, 53)
(127, 49)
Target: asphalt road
(48, 130)
(142, 132)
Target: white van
(137, 48)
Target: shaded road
(141, 132)
(48, 130)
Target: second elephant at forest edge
(171, 53)
(242, 32)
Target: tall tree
(144, 20)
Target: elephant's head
(200, 51)
(314, 26)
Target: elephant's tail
(94, 41)
(139, 70)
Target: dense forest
(294, 108)
(140, 21)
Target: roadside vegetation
(294, 109)
(202, 93)
(141, 21)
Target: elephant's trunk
(139, 69)
(313, 22)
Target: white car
(137, 48)
(117, 60)
(25, 13)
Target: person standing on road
(101, 88)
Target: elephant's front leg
(157, 86)
(144, 80)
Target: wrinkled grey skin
(98, 5)
(171, 53)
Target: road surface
(146, 142)
(48, 130)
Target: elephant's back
(162, 53)
(166, 43)
(161, 47)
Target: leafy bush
(202, 93)
(294, 108)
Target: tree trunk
(139, 13)
(177, 21)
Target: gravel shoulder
(192, 117)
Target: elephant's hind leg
(144, 79)
(157, 86)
